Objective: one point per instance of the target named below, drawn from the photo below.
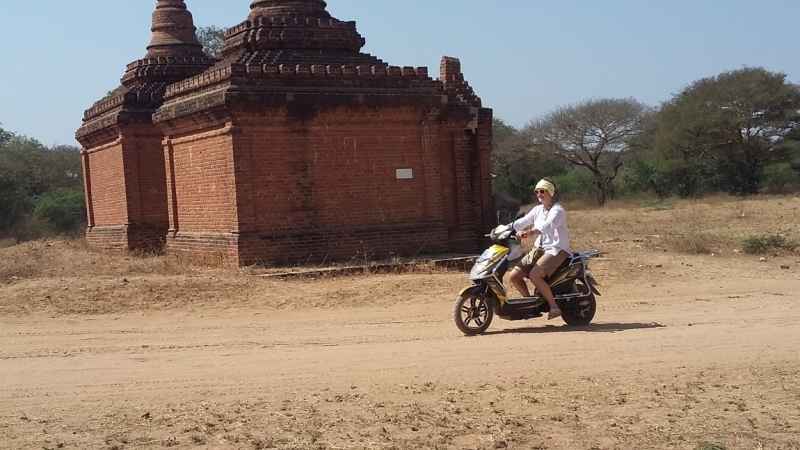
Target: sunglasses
(540, 191)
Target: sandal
(553, 314)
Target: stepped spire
(288, 8)
(174, 53)
(174, 33)
(295, 25)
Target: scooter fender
(593, 284)
(471, 290)
(479, 290)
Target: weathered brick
(289, 150)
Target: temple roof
(174, 54)
(296, 45)
(288, 8)
(291, 25)
(284, 45)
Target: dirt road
(714, 363)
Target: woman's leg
(546, 266)
(517, 278)
(539, 279)
(522, 270)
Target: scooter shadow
(591, 328)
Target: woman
(551, 249)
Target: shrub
(762, 244)
(65, 209)
(15, 203)
(779, 178)
(711, 446)
(577, 186)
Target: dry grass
(717, 224)
(8, 242)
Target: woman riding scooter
(551, 249)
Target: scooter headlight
(480, 266)
(500, 232)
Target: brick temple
(293, 147)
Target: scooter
(573, 286)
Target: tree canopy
(41, 188)
(5, 136)
(594, 134)
(212, 39)
(732, 126)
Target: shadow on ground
(591, 328)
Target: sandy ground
(101, 351)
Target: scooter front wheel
(473, 314)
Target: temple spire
(174, 53)
(291, 25)
(288, 8)
(174, 33)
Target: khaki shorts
(548, 263)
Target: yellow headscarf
(546, 185)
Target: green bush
(735, 176)
(577, 185)
(15, 202)
(779, 178)
(711, 446)
(762, 244)
(65, 209)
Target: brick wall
(108, 185)
(125, 185)
(328, 187)
(339, 170)
(202, 187)
(323, 187)
(201, 195)
(104, 176)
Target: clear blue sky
(523, 57)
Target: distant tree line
(41, 188)
(735, 133)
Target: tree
(5, 137)
(662, 176)
(735, 123)
(515, 169)
(594, 134)
(212, 39)
(41, 168)
(15, 201)
(507, 160)
(39, 182)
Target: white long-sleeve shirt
(553, 226)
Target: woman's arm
(526, 221)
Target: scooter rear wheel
(584, 313)
(473, 314)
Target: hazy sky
(523, 57)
